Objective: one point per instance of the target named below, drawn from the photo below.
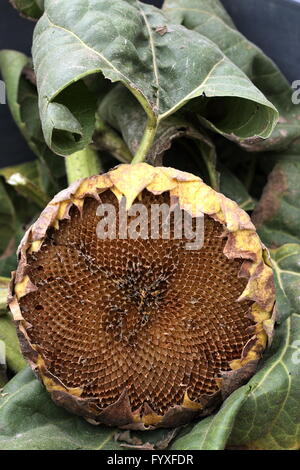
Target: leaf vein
(154, 61)
(89, 48)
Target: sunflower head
(125, 321)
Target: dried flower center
(144, 315)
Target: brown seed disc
(145, 315)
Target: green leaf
(32, 9)
(209, 157)
(4, 284)
(7, 265)
(3, 375)
(270, 417)
(122, 111)
(15, 213)
(8, 335)
(196, 13)
(108, 140)
(23, 103)
(164, 69)
(12, 64)
(25, 213)
(209, 18)
(212, 433)
(30, 420)
(25, 179)
(8, 223)
(233, 188)
(286, 266)
(277, 215)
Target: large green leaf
(8, 335)
(16, 214)
(23, 103)
(163, 67)
(107, 139)
(286, 266)
(4, 284)
(30, 420)
(33, 9)
(270, 417)
(233, 188)
(9, 263)
(3, 375)
(212, 433)
(26, 180)
(264, 414)
(12, 64)
(209, 18)
(277, 216)
(8, 223)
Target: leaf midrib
(153, 51)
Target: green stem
(147, 140)
(82, 164)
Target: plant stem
(147, 140)
(82, 164)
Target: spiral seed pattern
(144, 315)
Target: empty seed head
(142, 332)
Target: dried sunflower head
(142, 332)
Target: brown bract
(142, 333)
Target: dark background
(274, 25)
